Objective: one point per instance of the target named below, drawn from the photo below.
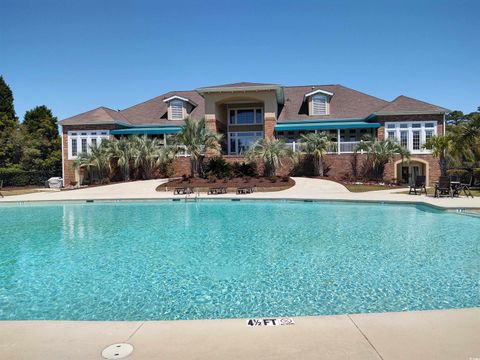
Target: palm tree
(166, 160)
(147, 155)
(96, 161)
(197, 139)
(316, 145)
(440, 145)
(270, 152)
(380, 152)
(124, 152)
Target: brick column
(269, 127)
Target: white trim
(408, 127)
(174, 97)
(79, 135)
(318, 91)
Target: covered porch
(344, 135)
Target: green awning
(325, 125)
(147, 130)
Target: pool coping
(457, 209)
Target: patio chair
(217, 190)
(419, 184)
(443, 187)
(465, 187)
(245, 190)
(1, 186)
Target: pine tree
(42, 143)
(10, 146)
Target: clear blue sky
(75, 55)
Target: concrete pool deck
(304, 188)
(438, 334)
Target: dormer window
(318, 102)
(179, 107)
(319, 105)
(176, 110)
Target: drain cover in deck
(117, 351)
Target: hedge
(19, 177)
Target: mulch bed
(261, 183)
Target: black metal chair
(419, 184)
(465, 187)
(443, 187)
(1, 186)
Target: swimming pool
(224, 259)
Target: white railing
(348, 147)
(345, 147)
(296, 146)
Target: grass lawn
(9, 191)
(366, 187)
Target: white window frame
(234, 134)
(171, 114)
(254, 109)
(408, 126)
(325, 100)
(79, 135)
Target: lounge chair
(465, 187)
(245, 190)
(1, 186)
(182, 191)
(443, 187)
(419, 184)
(217, 190)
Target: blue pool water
(223, 259)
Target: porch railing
(335, 148)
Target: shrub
(244, 169)
(14, 176)
(217, 166)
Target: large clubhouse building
(245, 112)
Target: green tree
(197, 139)
(317, 146)
(41, 141)
(10, 140)
(6, 101)
(440, 145)
(380, 152)
(271, 152)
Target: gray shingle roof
(101, 115)
(154, 111)
(407, 105)
(346, 103)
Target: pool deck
(443, 334)
(304, 188)
(438, 334)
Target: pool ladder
(194, 199)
